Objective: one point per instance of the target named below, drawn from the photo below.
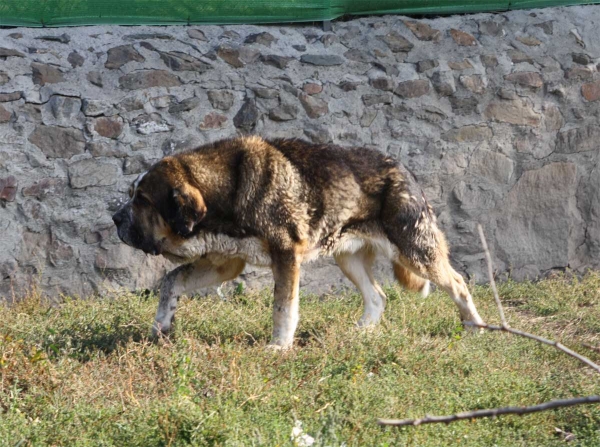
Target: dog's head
(162, 205)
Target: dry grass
(86, 373)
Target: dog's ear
(189, 209)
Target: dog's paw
(276, 347)
(160, 329)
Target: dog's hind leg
(358, 268)
(186, 279)
(411, 226)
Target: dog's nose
(117, 218)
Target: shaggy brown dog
(280, 203)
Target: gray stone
(325, 60)
(464, 105)
(358, 55)
(546, 27)
(91, 172)
(95, 78)
(474, 83)
(130, 104)
(274, 60)
(518, 57)
(526, 78)
(443, 83)
(465, 64)
(492, 166)
(148, 79)
(263, 38)
(121, 55)
(46, 187)
(265, 93)
(108, 127)
(579, 139)
(4, 78)
(221, 99)
(591, 91)
(539, 217)
(230, 55)
(104, 149)
(8, 52)
(96, 107)
(462, 38)
(75, 59)
(489, 60)
(247, 117)
(213, 120)
(385, 84)
(426, 65)
(46, 74)
(197, 34)
(179, 61)
(185, 106)
(491, 28)
(423, 31)
(145, 36)
(136, 164)
(529, 41)
(61, 111)
(63, 38)
(5, 115)
(151, 123)
(56, 142)
(513, 112)
(8, 188)
(581, 58)
(412, 89)
(371, 100)
(285, 112)
(9, 97)
(469, 134)
(582, 73)
(314, 107)
(396, 42)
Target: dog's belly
(218, 248)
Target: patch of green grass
(85, 372)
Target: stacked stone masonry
(496, 115)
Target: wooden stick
(491, 412)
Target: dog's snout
(117, 218)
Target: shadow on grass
(85, 342)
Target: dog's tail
(410, 281)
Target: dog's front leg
(189, 278)
(286, 273)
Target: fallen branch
(492, 412)
(556, 344)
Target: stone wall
(497, 116)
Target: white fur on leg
(426, 289)
(285, 320)
(356, 267)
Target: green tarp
(163, 12)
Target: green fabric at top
(135, 12)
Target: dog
(280, 203)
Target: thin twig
(488, 258)
(506, 410)
(491, 412)
(556, 344)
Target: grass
(84, 372)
